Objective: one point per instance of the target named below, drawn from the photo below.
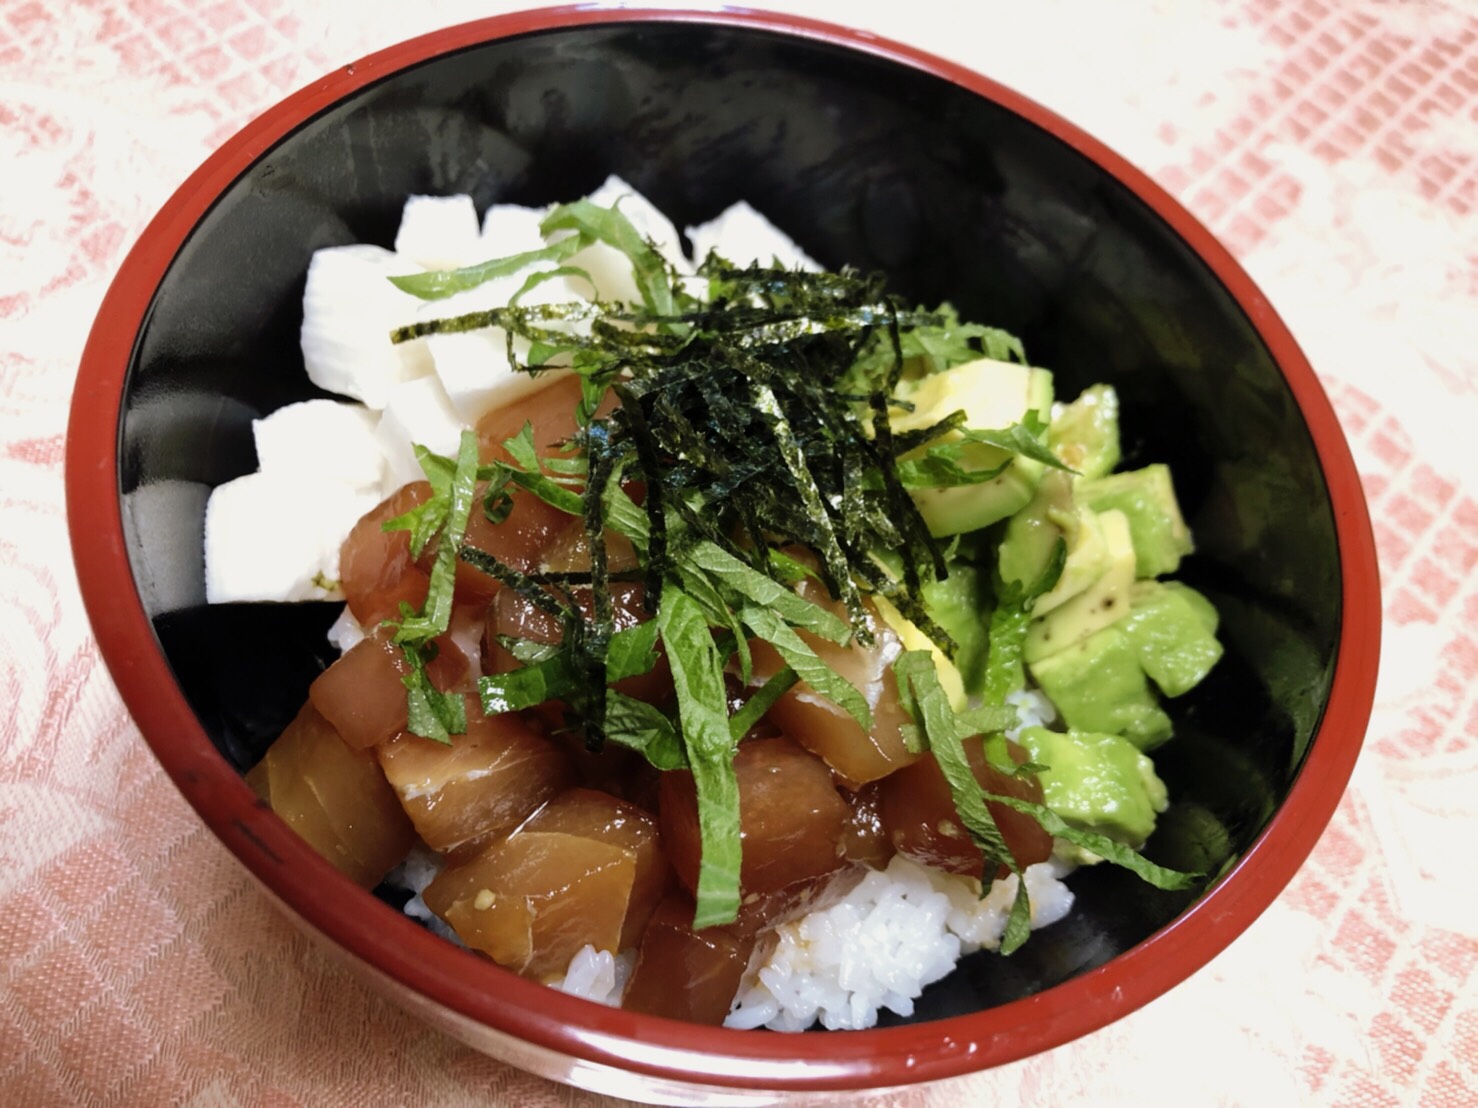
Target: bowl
(870, 154)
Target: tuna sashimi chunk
(376, 570)
(685, 974)
(603, 818)
(533, 900)
(792, 821)
(484, 784)
(827, 730)
(335, 798)
(919, 813)
(362, 694)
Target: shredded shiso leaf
(757, 419)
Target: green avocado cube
(961, 604)
(993, 395)
(1105, 601)
(1147, 498)
(1097, 782)
(1032, 533)
(1097, 685)
(1168, 632)
(1205, 610)
(1085, 433)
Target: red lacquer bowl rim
(484, 994)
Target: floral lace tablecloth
(1333, 145)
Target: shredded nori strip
(528, 586)
(631, 417)
(590, 640)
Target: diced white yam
(645, 217)
(276, 536)
(476, 375)
(416, 413)
(610, 272)
(321, 438)
(741, 235)
(512, 229)
(609, 269)
(473, 365)
(439, 232)
(349, 309)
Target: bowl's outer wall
(866, 163)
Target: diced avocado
(1097, 782)
(1098, 685)
(961, 604)
(993, 395)
(1168, 632)
(1085, 433)
(1204, 609)
(914, 639)
(1102, 603)
(1147, 497)
(1032, 532)
(1039, 393)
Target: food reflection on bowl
(871, 155)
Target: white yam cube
(610, 273)
(272, 536)
(473, 365)
(609, 269)
(741, 235)
(349, 309)
(321, 438)
(645, 217)
(512, 229)
(439, 232)
(477, 376)
(416, 413)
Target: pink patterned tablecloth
(1334, 146)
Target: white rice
(1033, 709)
(598, 975)
(896, 932)
(418, 870)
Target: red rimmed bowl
(870, 154)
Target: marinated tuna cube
(612, 769)
(519, 540)
(484, 784)
(336, 798)
(923, 824)
(605, 819)
(362, 693)
(376, 570)
(550, 412)
(827, 730)
(533, 900)
(685, 974)
(866, 837)
(513, 616)
(791, 818)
